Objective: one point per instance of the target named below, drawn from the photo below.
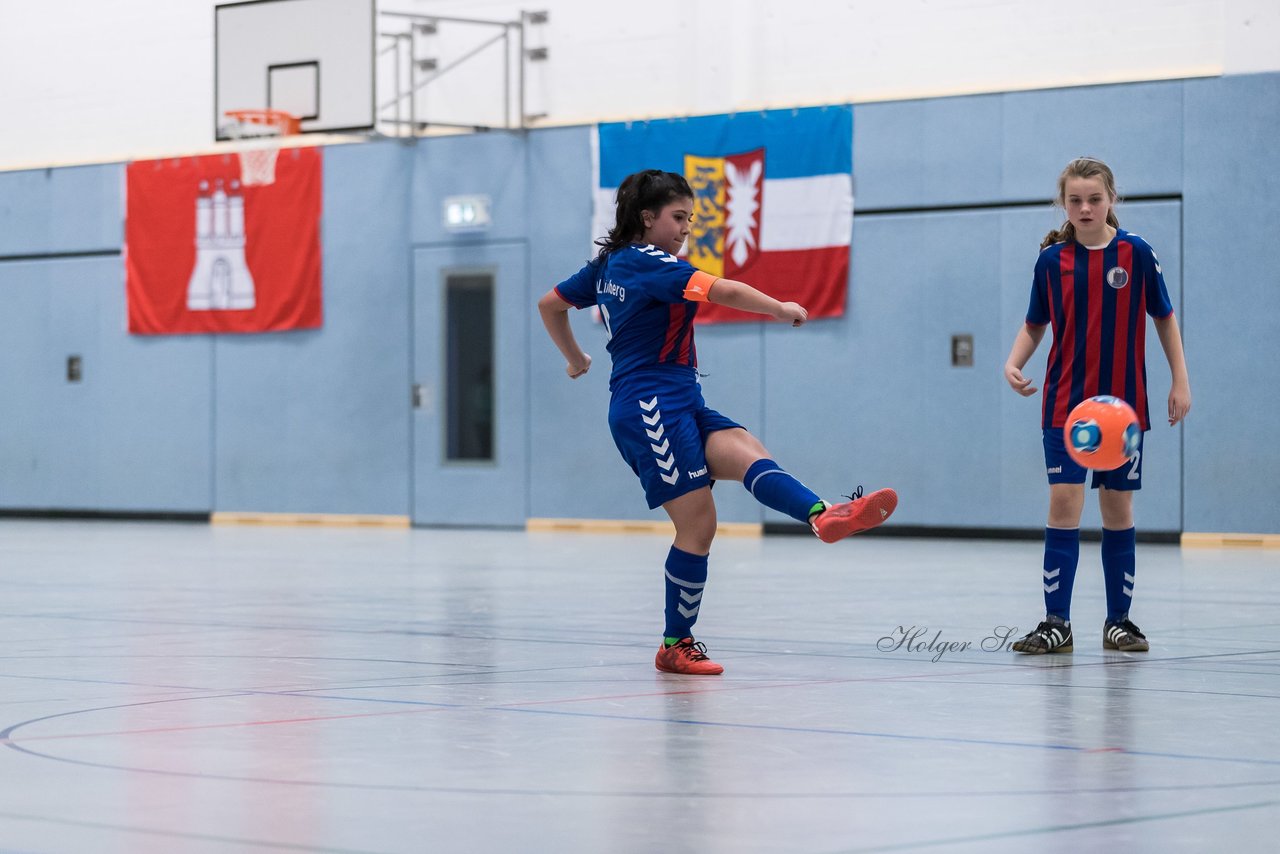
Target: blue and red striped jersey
(1097, 301)
(641, 293)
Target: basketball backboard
(311, 58)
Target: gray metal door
(471, 310)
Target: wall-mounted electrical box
(962, 351)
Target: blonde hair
(1082, 167)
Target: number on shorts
(1133, 471)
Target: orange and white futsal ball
(1102, 433)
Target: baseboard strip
(635, 526)
(331, 520)
(1253, 541)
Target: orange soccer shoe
(860, 514)
(687, 656)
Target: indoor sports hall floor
(193, 688)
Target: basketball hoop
(247, 124)
(258, 164)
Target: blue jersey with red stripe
(1097, 301)
(640, 290)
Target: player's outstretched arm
(1024, 344)
(1180, 391)
(743, 297)
(555, 316)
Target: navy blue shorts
(661, 431)
(1062, 469)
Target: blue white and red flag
(773, 197)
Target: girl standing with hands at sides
(664, 430)
(1094, 283)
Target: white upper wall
(86, 80)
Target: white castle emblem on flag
(221, 279)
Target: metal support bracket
(402, 108)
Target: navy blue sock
(1061, 554)
(775, 488)
(1118, 562)
(686, 576)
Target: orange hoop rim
(286, 123)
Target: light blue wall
(134, 434)
(943, 242)
(492, 164)
(1136, 128)
(50, 211)
(317, 421)
(568, 433)
(1232, 313)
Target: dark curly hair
(650, 190)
